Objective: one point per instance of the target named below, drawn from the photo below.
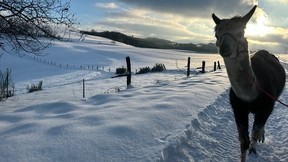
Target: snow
(161, 117)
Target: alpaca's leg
(241, 118)
(257, 135)
(258, 132)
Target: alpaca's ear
(216, 19)
(247, 17)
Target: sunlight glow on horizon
(258, 30)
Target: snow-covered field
(160, 117)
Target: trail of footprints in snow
(213, 136)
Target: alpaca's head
(230, 34)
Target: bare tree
(6, 85)
(23, 23)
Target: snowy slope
(161, 117)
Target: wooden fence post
(128, 70)
(203, 67)
(219, 67)
(83, 88)
(188, 67)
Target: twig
(179, 68)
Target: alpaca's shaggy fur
(251, 78)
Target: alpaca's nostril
(225, 50)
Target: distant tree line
(153, 42)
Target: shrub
(35, 87)
(158, 68)
(121, 70)
(144, 70)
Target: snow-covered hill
(161, 117)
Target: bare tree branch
(23, 23)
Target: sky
(186, 20)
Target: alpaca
(251, 78)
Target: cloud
(278, 1)
(183, 21)
(270, 38)
(275, 41)
(144, 23)
(106, 5)
(276, 11)
(189, 21)
(194, 8)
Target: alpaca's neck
(241, 76)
